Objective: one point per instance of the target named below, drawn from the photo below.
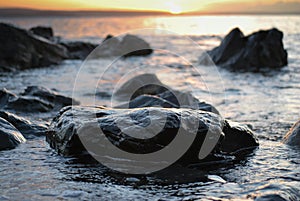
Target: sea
(267, 101)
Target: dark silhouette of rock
(34, 99)
(78, 50)
(10, 137)
(64, 135)
(148, 101)
(262, 49)
(20, 49)
(293, 136)
(45, 32)
(129, 45)
(139, 85)
(135, 92)
(50, 96)
(27, 128)
(237, 137)
(135, 46)
(38, 47)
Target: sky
(172, 6)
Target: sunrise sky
(172, 6)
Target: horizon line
(21, 11)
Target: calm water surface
(268, 101)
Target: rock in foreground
(293, 136)
(125, 129)
(10, 137)
(262, 49)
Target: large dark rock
(262, 49)
(45, 32)
(73, 124)
(21, 49)
(78, 50)
(27, 128)
(293, 136)
(10, 137)
(63, 131)
(34, 99)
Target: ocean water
(268, 101)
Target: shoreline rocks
(262, 49)
(38, 47)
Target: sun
(174, 9)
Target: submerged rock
(262, 49)
(10, 137)
(26, 127)
(293, 136)
(34, 99)
(20, 49)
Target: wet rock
(50, 96)
(147, 90)
(29, 104)
(139, 85)
(124, 128)
(251, 53)
(21, 49)
(64, 137)
(293, 136)
(27, 128)
(34, 99)
(45, 32)
(148, 101)
(237, 138)
(10, 137)
(78, 50)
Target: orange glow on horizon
(171, 6)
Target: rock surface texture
(262, 49)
